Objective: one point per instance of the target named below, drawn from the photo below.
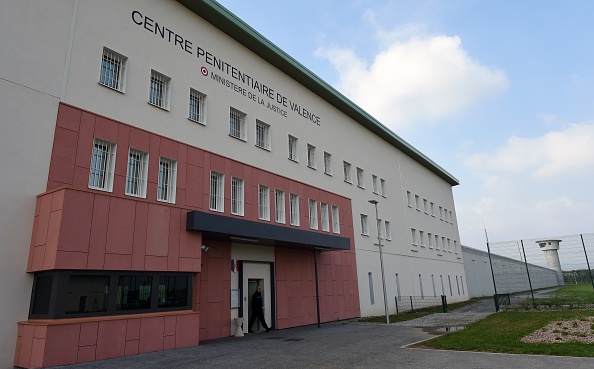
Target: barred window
(216, 191)
(262, 135)
(360, 178)
(279, 205)
(113, 70)
(294, 209)
(237, 196)
(102, 165)
(197, 107)
(293, 153)
(347, 172)
(325, 217)
(263, 202)
(159, 90)
(313, 214)
(136, 176)
(311, 156)
(237, 124)
(335, 219)
(167, 179)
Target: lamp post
(379, 240)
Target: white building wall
(54, 54)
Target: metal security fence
(411, 304)
(531, 265)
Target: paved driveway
(334, 345)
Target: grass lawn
(502, 332)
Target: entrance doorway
(257, 274)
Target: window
(325, 217)
(313, 214)
(449, 245)
(335, 220)
(443, 244)
(452, 222)
(440, 213)
(450, 282)
(137, 173)
(371, 294)
(293, 153)
(113, 70)
(398, 287)
(102, 165)
(347, 172)
(421, 286)
(87, 294)
(263, 202)
(433, 285)
(294, 209)
(436, 242)
(383, 187)
(432, 209)
(263, 135)
(388, 230)
(430, 240)
(458, 285)
(159, 91)
(279, 206)
(445, 215)
(134, 292)
(217, 192)
(360, 178)
(409, 199)
(374, 183)
(418, 202)
(237, 124)
(380, 232)
(167, 179)
(364, 227)
(327, 163)
(311, 156)
(456, 248)
(237, 188)
(462, 283)
(197, 107)
(172, 292)
(413, 233)
(422, 238)
(425, 206)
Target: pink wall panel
(151, 334)
(139, 139)
(88, 334)
(182, 160)
(64, 154)
(106, 129)
(187, 330)
(76, 222)
(111, 339)
(69, 117)
(120, 232)
(174, 231)
(99, 227)
(85, 140)
(58, 338)
(158, 230)
(123, 143)
(140, 234)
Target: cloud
(415, 78)
(564, 152)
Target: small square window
(197, 107)
(136, 176)
(313, 214)
(113, 70)
(360, 178)
(293, 153)
(311, 156)
(327, 163)
(263, 135)
(167, 179)
(159, 90)
(102, 165)
(347, 172)
(237, 124)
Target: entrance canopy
(226, 228)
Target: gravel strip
(445, 320)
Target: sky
(499, 93)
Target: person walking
(257, 310)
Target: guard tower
(550, 248)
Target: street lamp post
(379, 240)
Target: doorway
(252, 284)
(257, 274)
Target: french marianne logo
(204, 71)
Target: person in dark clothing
(257, 310)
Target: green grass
(571, 294)
(502, 332)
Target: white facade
(57, 58)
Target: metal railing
(411, 304)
